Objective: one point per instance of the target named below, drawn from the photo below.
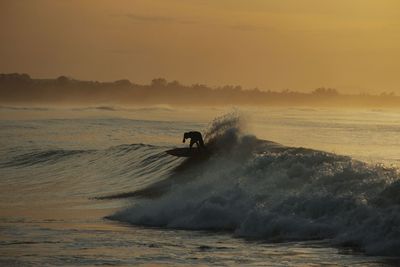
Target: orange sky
(352, 45)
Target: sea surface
(89, 186)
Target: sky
(350, 45)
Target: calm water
(271, 206)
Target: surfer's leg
(191, 143)
(201, 143)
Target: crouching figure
(195, 138)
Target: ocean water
(283, 187)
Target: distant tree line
(21, 88)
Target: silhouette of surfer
(195, 138)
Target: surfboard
(186, 152)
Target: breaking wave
(262, 190)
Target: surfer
(195, 138)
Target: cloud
(119, 51)
(158, 19)
(247, 27)
(166, 19)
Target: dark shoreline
(21, 89)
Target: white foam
(281, 195)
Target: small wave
(154, 108)
(164, 108)
(24, 108)
(41, 157)
(106, 108)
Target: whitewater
(282, 187)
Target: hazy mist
(299, 45)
